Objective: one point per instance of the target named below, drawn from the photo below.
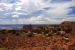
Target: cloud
(10, 1)
(36, 11)
(60, 1)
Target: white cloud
(27, 7)
(15, 16)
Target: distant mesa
(30, 26)
(68, 23)
(27, 26)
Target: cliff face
(68, 23)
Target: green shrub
(4, 49)
(67, 30)
(72, 47)
(50, 34)
(30, 34)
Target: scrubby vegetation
(38, 38)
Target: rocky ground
(37, 42)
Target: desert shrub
(24, 31)
(66, 40)
(36, 31)
(72, 47)
(67, 30)
(58, 33)
(46, 31)
(13, 31)
(62, 48)
(66, 36)
(16, 32)
(63, 34)
(38, 49)
(55, 47)
(4, 49)
(50, 34)
(2, 31)
(54, 30)
(30, 34)
(58, 28)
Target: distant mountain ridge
(20, 26)
(11, 26)
(68, 23)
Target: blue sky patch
(72, 11)
(36, 11)
(60, 1)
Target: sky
(36, 11)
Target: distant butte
(68, 23)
